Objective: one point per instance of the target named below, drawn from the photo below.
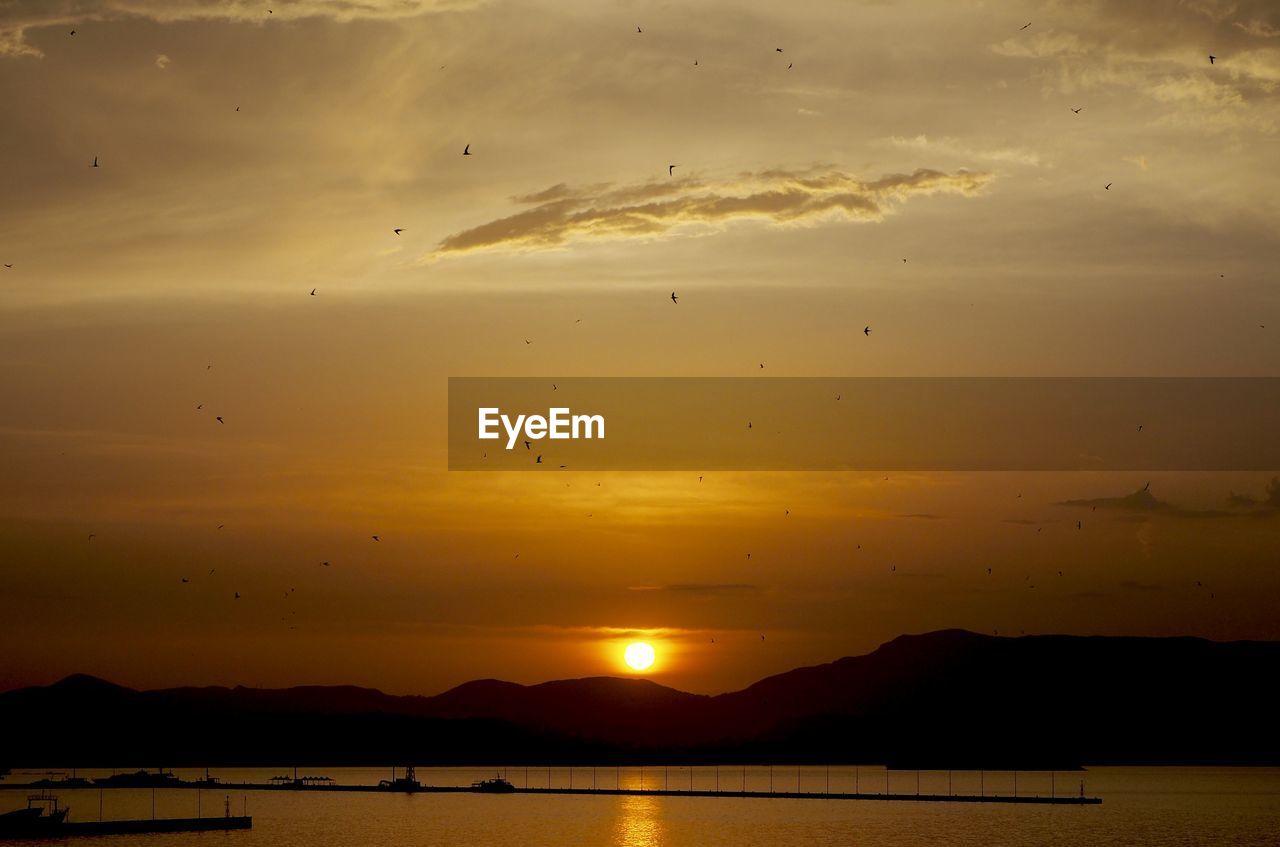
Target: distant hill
(942, 699)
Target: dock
(1064, 799)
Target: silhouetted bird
(220, 420)
(674, 298)
(539, 460)
(748, 424)
(1077, 111)
(398, 231)
(237, 108)
(375, 538)
(779, 49)
(528, 446)
(1024, 26)
(73, 32)
(92, 536)
(7, 265)
(1212, 58)
(638, 29)
(1146, 487)
(199, 407)
(95, 161)
(1078, 525)
(237, 595)
(670, 169)
(313, 292)
(1139, 427)
(466, 151)
(324, 564)
(184, 579)
(1108, 186)
(866, 330)
(789, 64)
(988, 571)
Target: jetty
(409, 784)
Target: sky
(252, 152)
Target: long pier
(1023, 799)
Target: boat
(42, 815)
(496, 785)
(139, 779)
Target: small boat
(42, 815)
(497, 785)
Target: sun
(638, 655)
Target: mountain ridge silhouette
(949, 698)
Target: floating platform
(66, 829)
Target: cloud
(162, 61)
(1142, 502)
(1161, 48)
(562, 213)
(1269, 503)
(700, 588)
(947, 146)
(18, 18)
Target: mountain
(942, 699)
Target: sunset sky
(247, 157)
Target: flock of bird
(675, 300)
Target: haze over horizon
(916, 169)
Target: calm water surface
(1141, 806)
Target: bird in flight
(324, 564)
(95, 161)
(92, 536)
(398, 231)
(527, 341)
(199, 406)
(1077, 111)
(1146, 487)
(789, 64)
(466, 151)
(237, 108)
(1079, 525)
(539, 459)
(670, 168)
(73, 32)
(866, 330)
(1139, 427)
(638, 29)
(237, 595)
(779, 49)
(1211, 56)
(748, 424)
(1024, 26)
(528, 445)
(313, 292)
(375, 538)
(220, 420)
(184, 579)
(1108, 186)
(7, 265)
(674, 298)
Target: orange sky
(178, 274)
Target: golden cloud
(561, 213)
(19, 17)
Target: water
(1141, 806)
